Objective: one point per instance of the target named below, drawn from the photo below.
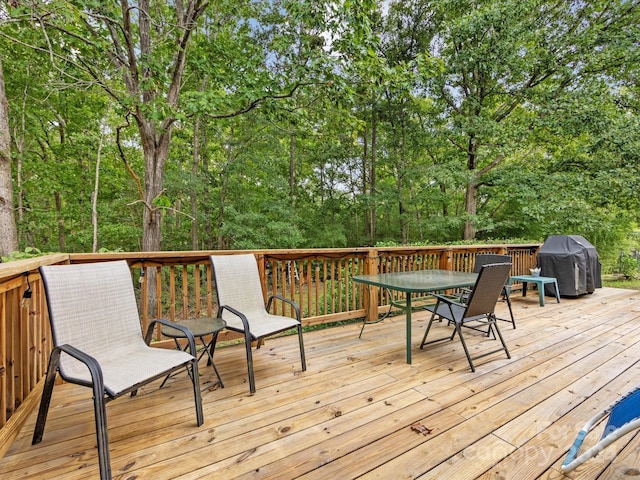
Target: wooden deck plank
(349, 414)
(472, 461)
(549, 446)
(233, 445)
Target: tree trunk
(208, 234)
(471, 195)
(418, 216)
(20, 147)
(470, 205)
(404, 236)
(292, 163)
(445, 205)
(151, 217)
(156, 151)
(365, 176)
(155, 154)
(372, 180)
(61, 241)
(8, 230)
(155, 135)
(223, 187)
(194, 176)
(94, 198)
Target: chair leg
(426, 332)
(505, 294)
(47, 391)
(252, 380)
(100, 414)
(301, 342)
(212, 349)
(493, 325)
(497, 331)
(458, 329)
(197, 395)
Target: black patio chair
(486, 259)
(479, 307)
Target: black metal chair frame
(101, 395)
(479, 307)
(249, 337)
(482, 259)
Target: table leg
(541, 293)
(555, 283)
(210, 349)
(524, 289)
(409, 327)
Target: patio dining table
(419, 281)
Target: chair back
(93, 307)
(483, 259)
(238, 283)
(486, 291)
(623, 412)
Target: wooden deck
(350, 414)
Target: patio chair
(486, 259)
(98, 342)
(623, 417)
(241, 304)
(479, 307)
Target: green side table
(539, 281)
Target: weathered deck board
(350, 414)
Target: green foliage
(299, 121)
(628, 283)
(628, 265)
(337, 294)
(28, 252)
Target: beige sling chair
(98, 342)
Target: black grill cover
(573, 261)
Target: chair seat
(453, 312)
(262, 325)
(120, 374)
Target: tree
(501, 62)
(137, 56)
(352, 131)
(8, 230)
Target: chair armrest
(447, 300)
(187, 333)
(465, 292)
(285, 300)
(91, 363)
(243, 319)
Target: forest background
(239, 124)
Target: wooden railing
(178, 285)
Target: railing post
(371, 265)
(446, 259)
(145, 297)
(262, 273)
